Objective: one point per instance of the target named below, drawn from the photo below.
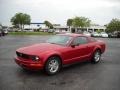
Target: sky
(58, 11)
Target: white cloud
(57, 11)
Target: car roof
(72, 34)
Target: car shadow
(73, 67)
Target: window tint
(80, 40)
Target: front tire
(96, 56)
(53, 65)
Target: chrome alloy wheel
(97, 56)
(53, 66)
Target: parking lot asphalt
(84, 76)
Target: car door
(82, 49)
(79, 52)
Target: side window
(80, 40)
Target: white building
(96, 27)
(92, 28)
(36, 26)
(59, 28)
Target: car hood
(36, 49)
(96, 33)
(104, 34)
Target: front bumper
(27, 64)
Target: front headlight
(35, 58)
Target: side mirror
(74, 44)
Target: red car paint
(68, 54)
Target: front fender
(96, 47)
(48, 54)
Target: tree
(47, 23)
(81, 22)
(69, 23)
(114, 25)
(21, 19)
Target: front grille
(24, 56)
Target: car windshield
(59, 39)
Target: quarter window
(80, 40)
(92, 39)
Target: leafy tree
(81, 22)
(21, 19)
(69, 23)
(47, 23)
(114, 25)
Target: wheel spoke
(53, 65)
(97, 56)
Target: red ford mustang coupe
(58, 51)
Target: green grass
(30, 33)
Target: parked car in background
(50, 30)
(0, 33)
(104, 34)
(115, 34)
(0, 30)
(118, 34)
(6, 32)
(57, 32)
(112, 35)
(79, 32)
(95, 34)
(61, 32)
(3, 30)
(60, 50)
(87, 33)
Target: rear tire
(53, 65)
(96, 56)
